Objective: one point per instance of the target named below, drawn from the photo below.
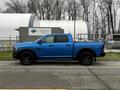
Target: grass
(110, 56)
(7, 55)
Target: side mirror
(41, 41)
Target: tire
(27, 58)
(86, 58)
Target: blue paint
(54, 49)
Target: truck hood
(25, 43)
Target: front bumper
(15, 55)
(102, 54)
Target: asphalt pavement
(104, 75)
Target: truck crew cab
(58, 46)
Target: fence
(93, 37)
(112, 41)
(7, 43)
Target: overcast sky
(2, 4)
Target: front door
(55, 46)
(46, 46)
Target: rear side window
(61, 38)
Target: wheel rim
(26, 59)
(86, 59)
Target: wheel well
(27, 50)
(86, 50)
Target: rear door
(63, 47)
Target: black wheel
(86, 58)
(27, 58)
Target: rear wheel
(27, 58)
(86, 58)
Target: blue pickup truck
(58, 46)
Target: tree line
(102, 15)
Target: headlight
(15, 49)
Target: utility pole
(93, 37)
(74, 20)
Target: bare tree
(16, 6)
(101, 14)
(32, 6)
(58, 9)
(119, 27)
(47, 4)
(73, 9)
(41, 10)
(47, 9)
(85, 4)
(116, 6)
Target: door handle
(68, 45)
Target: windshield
(38, 40)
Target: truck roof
(60, 34)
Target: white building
(10, 22)
(68, 26)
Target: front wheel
(27, 58)
(86, 58)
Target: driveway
(104, 75)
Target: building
(28, 26)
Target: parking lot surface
(104, 75)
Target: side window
(61, 38)
(48, 39)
